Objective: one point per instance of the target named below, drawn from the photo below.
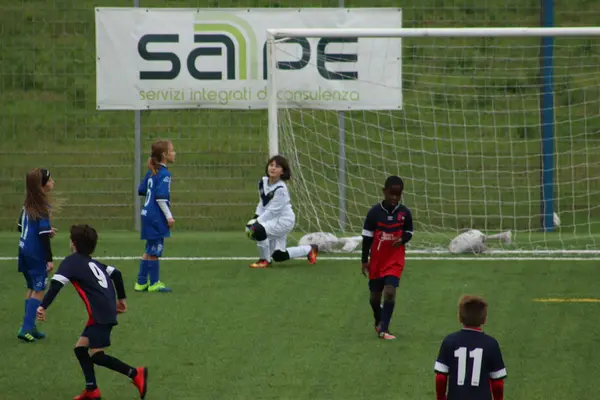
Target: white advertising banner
(216, 58)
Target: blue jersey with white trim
(156, 188)
(470, 358)
(30, 243)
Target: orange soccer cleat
(312, 254)
(386, 336)
(260, 264)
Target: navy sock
(143, 273)
(154, 271)
(106, 361)
(30, 313)
(376, 306)
(87, 366)
(386, 314)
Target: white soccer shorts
(277, 231)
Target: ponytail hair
(159, 151)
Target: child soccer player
(96, 283)
(387, 229)
(157, 219)
(35, 252)
(470, 362)
(274, 218)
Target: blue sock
(30, 311)
(25, 312)
(143, 274)
(27, 302)
(154, 271)
(386, 314)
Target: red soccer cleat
(89, 394)
(141, 381)
(312, 254)
(260, 264)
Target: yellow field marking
(566, 300)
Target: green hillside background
(467, 142)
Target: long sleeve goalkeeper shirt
(274, 201)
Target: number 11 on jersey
(477, 356)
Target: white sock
(299, 251)
(264, 251)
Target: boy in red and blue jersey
(387, 229)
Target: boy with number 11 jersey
(470, 365)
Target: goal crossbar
(276, 34)
(279, 33)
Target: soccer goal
(490, 128)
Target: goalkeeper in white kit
(275, 218)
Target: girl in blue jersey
(157, 219)
(35, 253)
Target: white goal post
(498, 129)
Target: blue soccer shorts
(155, 247)
(36, 281)
(34, 272)
(98, 335)
(377, 285)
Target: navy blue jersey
(470, 358)
(91, 280)
(156, 188)
(30, 243)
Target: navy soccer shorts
(376, 285)
(98, 335)
(155, 247)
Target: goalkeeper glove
(250, 229)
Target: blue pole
(547, 118)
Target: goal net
(492, 130)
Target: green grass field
(304, 332)
(467, 144)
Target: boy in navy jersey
(96, 284)
(387, 229)
(470, 362)
(35, 252)
(157, 219)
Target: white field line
(349, 258)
